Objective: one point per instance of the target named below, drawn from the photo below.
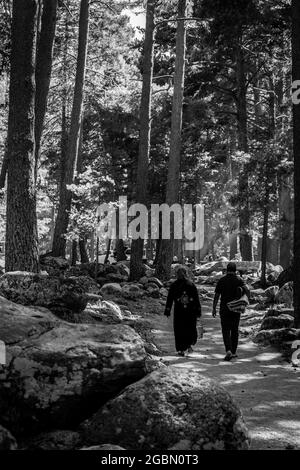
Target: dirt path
(266, 388)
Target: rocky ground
(262, 383)
(84, 350)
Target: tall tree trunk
(44, 57)
(120, 250)
(65, 197)
(273, 251)
(296, 143)
(64, 101)
(107, 251)
(84, 257)
(286, 222)
(92, 247)
(242, 127)
(163, 268)
(74, 256)
(157, 249)
(21, 249)
(137, 246)
(265, 239)
(233, 245)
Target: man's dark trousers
(230, 330)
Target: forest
(186, 103)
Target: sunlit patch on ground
(266, 388)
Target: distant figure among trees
(183, 293)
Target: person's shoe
(228, 356)
(181, 353)
(234, 356)
(190, 349)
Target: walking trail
(266, 388)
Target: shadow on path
(266, 388)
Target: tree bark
(242, 128)
(74, 256)
(44, 53)
(163, 268)
(84, 257)
(120, 250)
(296, 148)
(233, 245)
(286, 222)
(65, 197)
(264, 240)
(107, 251)
(4, 169)
(21, 249)
(44, 57)
(137, 246)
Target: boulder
(132, 291)
(155, 281)
(276, 337)
(55, 293)
(166, 407)
(256, 294)
(153, 292)
(275, 312)
(269, 267)
(55, 440)
(278, 269)
(285, 276)
(19, 322)
(277, 322)
(119, 269)
(270, 293)
(104, 311)
(80, 270)
(272, 277)
(285, 294)
(54, 266)
(112, 288)
(207, 268)
(123, 269)
(58, 373)
(148, 272)
(163, 292)
(111, 277)
(152, 285)
(7, 441)
(104, 447)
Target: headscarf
(182, 272)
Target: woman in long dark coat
(183, 293)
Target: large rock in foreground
(7, 441)
(54, 440)
(59, 294)
(19, 322)
(169, 409)
(58, 373)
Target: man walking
(228, 288)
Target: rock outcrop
(285, 294)
(57, 373)
(277, 322)
(7, 441)
(59, 294)
(166, 408)
(277, 337)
